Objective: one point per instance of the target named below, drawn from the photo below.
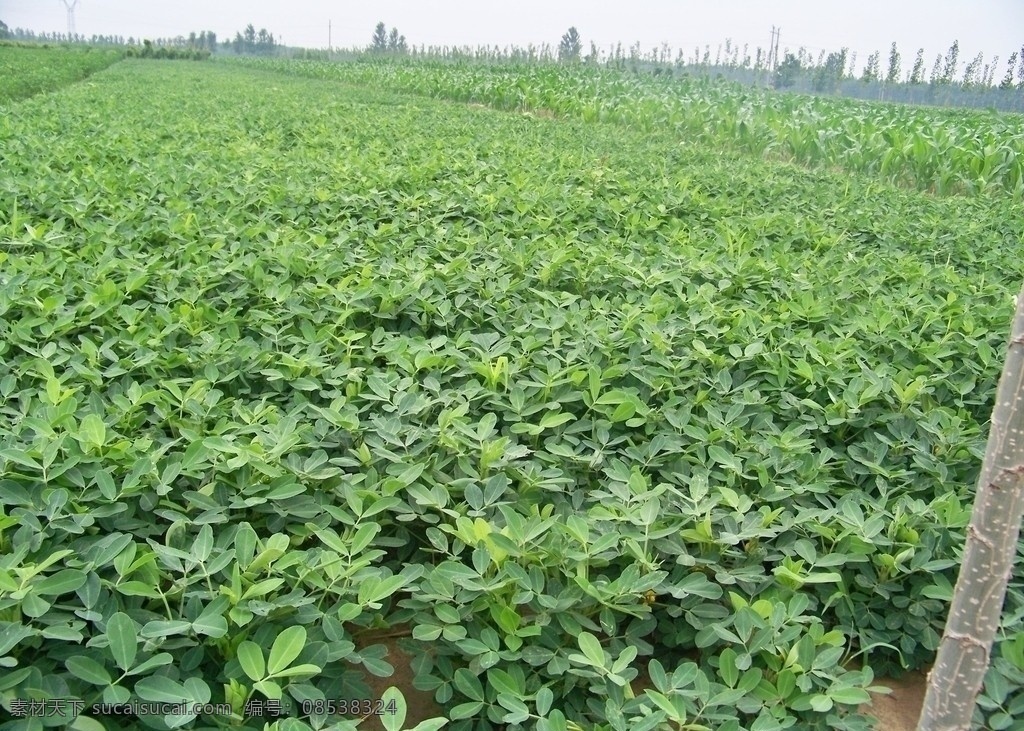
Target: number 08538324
(350, 707)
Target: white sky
(989, 26)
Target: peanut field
(618, 425)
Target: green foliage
(939, 151)
(786, 72)
(152, 50)
(384, 42)
(632, 433)
(29, 69)
(379, 43)
(250, 42)
(570, 47)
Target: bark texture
(988, 556)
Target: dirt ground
(897, 711)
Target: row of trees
(204, 40)
(384, 42)
(825, 70)
(253, 42)
(945, 71)
(249, 41)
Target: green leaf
(160, 628)
(86, 668)
(210, 624)
(296, 670)
(722, 457)
(545, 697)
(362, 538)
(270, 689)
(592, 649)
(92, 432)
(160, 689)
(62, 582)
(431, 724)
(137, 588)
(34, 606)
(250, 657)
(395, 721)
(465, 710)
(503, 682)
(283, 492)
(554, 419)
(821, 703)
(469, 685)
(373, 592)
(123, 639)
(662, 701)
(19, 456)
(286, 648)
(158, 660)
(849, 696)
(84, 723)
(727, 667)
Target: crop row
(581, 405)
(25, 70)
(934, 150)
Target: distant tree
(380, 38)
(871, 69)
(592, 57)
(892, 76)
(829, 74)
(935, 76)
(264, 42)
(5, 32)
(1011, 66)
(246, 41)
(950, 63)
(853, 65)
(1020, 70)
(917, 75)
(988, 72)
(972, 72)
(570, 46)
(787, 71)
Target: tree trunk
(989, 552)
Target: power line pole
(71, 16)
(773, 54)
(329, 46)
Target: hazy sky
(990, 26)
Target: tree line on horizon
(825, 72)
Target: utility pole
(773, 54)
(329, 46)
(71, 17)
